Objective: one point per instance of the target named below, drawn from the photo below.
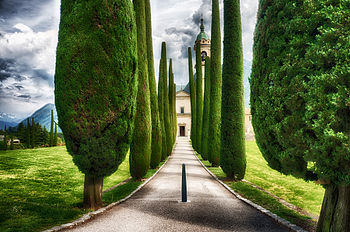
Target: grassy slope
(305, 195)
(41, 188)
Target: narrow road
(156, 206)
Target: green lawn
(41, 188)
(305, 195)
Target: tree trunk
(93, 192)
(335, 212)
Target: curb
(280, 220)
(93, 214)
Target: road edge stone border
(280, 220)
(91, 215)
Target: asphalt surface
(156, 206)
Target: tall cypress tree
(175, 114)
(206, 106)
(33, 134)
(55, 136)
(28, 134)
(167, 124)
(161, 109)
(192, 97)
(156, 126)
(171, 101)
(232, 157)
(140, 150)
(300, 97)
(215, 87)
(51, 130)
(199, 96)
(5, 139)
(97, 62)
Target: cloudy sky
(28, 39)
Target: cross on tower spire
(202, 24)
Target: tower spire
(202, 24)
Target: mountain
(43, 116)
(10, 120)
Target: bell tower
(204, 41)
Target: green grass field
(41, 188)
(305, 195)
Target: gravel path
(156, 206)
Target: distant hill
(43, 116)
(9, 120)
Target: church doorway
(182, 131)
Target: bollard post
(184, 185)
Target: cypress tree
(232, 157)
(5, 139)
(51, 130)
(167, 124)
(300, 91)
(32, 134)
(215, 88)
(55, 136)
(161, 109)
(95, 87)
(28, 142)
(140, 150)
(156, 127)
(12, 146)
(171, 96)
(199, 96)
(192, 97)
(205, 123)
(175, 114)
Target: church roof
(202, 34)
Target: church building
(183, 102)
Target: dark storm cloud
(9, 69)
(188, 33)
(24, 96)
(14, 11)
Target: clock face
(204, 55)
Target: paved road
(156, 206)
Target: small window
(182, 110)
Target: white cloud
(38, 49)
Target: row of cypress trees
(155, 119)
(217, 130)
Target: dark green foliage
(300, 91)
(95, 82)
(5, 139)
(206, 105)
(140, 150)
(55, 136)
(156, 127)
(27, 141)
(12, 146)
(215, 88)
(175, 114)
(232, 157)
(193, 97)
(161, 109)
(51, 130)
(171, 96)
(33, 134)
(167, 125)
(199, 97)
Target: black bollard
(184, 185)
